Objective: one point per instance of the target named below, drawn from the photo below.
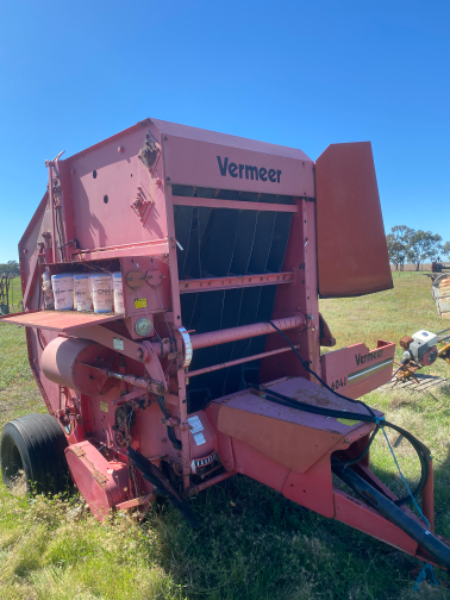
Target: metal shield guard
(352, 253)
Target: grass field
(252, 544)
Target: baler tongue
(386, 507)
(293, 434)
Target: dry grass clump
(18, 485)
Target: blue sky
(302, 74)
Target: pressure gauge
(143, 326)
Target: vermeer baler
(212, 366)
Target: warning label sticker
(196, 424)
(199, 439)
(140, 303)
(118, 344)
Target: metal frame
(190, 286)
(288, 450)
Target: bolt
(121, 149)
(167, 178)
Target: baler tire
(33, 447)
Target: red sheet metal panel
(54, 320)
(356, 370)
(102, 483)
(294, 438)
(352, 252)
(209, 159)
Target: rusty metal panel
(352, 253)
(102, 483)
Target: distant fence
(14, 303)
(408, 267)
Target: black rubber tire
(35, 444)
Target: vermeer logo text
(247, 171)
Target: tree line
(11, 268)
(406, 245)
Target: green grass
(252, 544)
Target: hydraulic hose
(394, 514)
(170, 430)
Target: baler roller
(223, 336)
(233, 334)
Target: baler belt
(219, 242)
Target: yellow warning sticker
(348, 421)
(104, 406)
(140, 303)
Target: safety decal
(199, 439)
(196, 424)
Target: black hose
(317, 410)
(170, 430)
(161, 484)
(421, 450)
(319, 379)
(395, 515)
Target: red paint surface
(102, 483)
(352, 252)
